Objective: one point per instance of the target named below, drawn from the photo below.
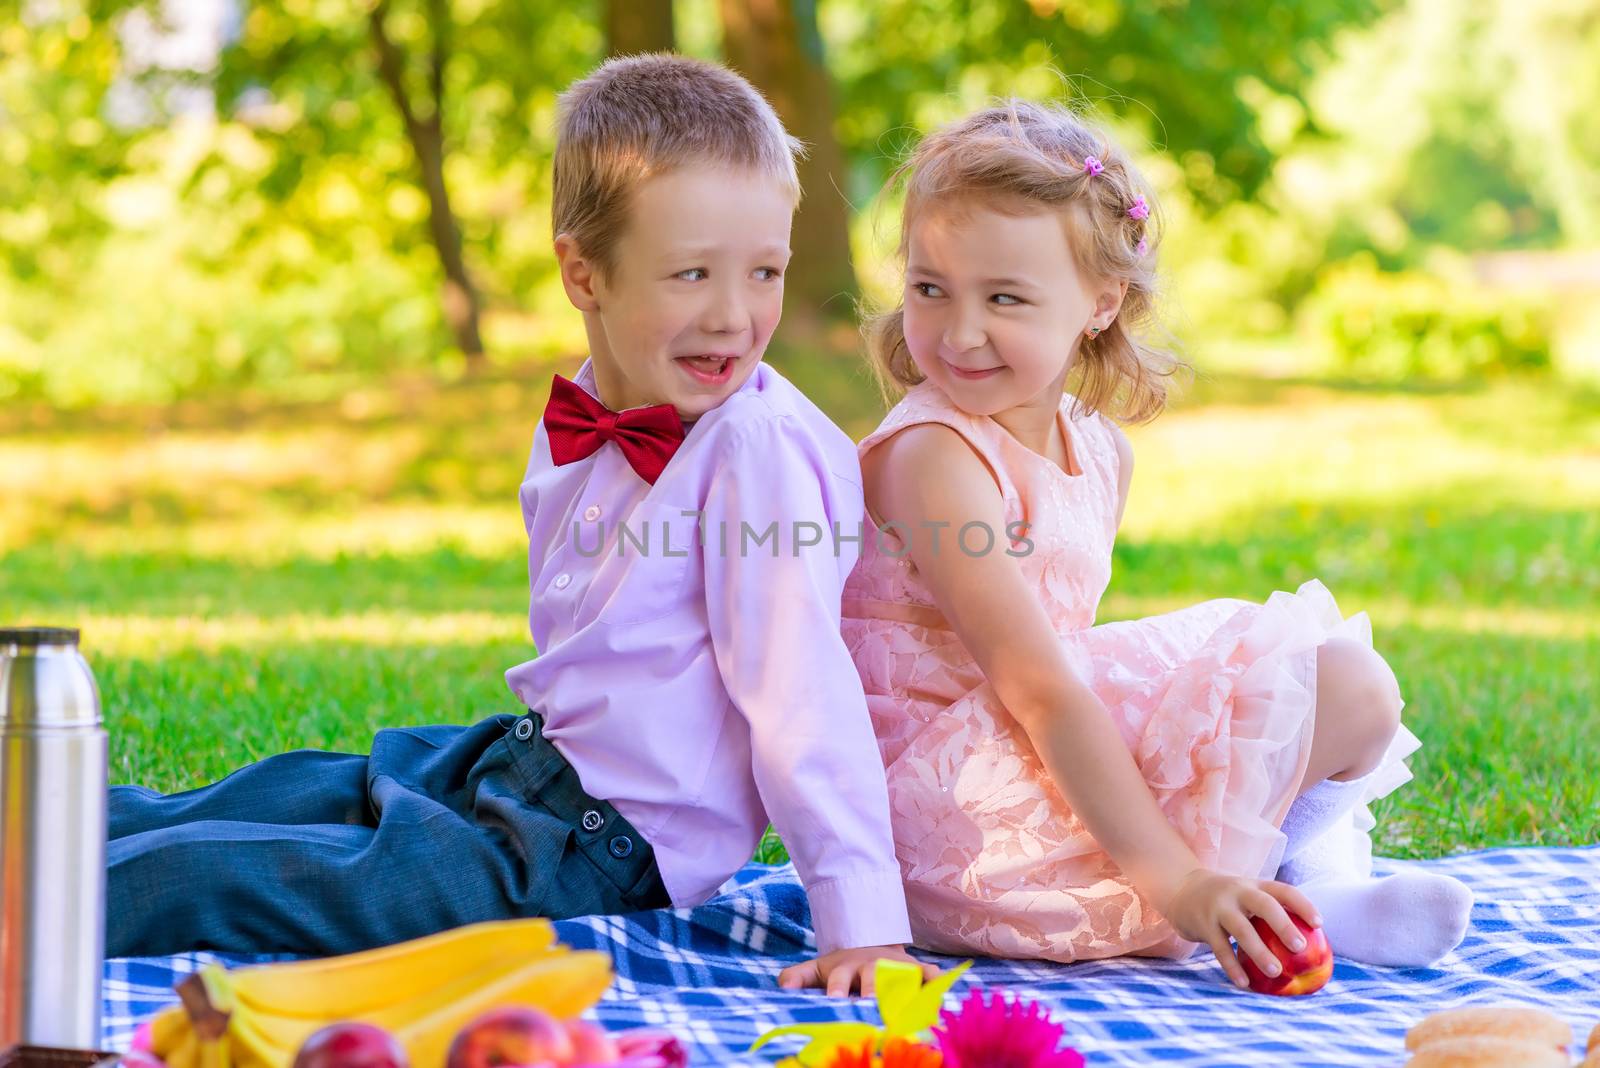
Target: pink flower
(1139, 210)
(1001, 1033)
(1143, 247)
(650, 1049)
(1092, 165)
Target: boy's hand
(845, 970)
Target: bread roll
(1515, 1023)
(1485, 1051)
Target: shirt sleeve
(773, 608)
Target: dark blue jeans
(325, 853)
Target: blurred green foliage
(1314, 161)
(1168, 72)
(1397, 326)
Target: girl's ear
(1108, 302)
(578, 275)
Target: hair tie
(1092, 166)
(1139, 209)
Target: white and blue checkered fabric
(710, 975)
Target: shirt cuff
(859, 910)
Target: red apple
(351, 1045)
(1305, 972)
(516, 1034)
(590, 1044)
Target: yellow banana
(535, 975)
(168, 1030)
(252, 1048)
(563, 988)
(185, 1053)
(342, 988)
(266, 1040)
(216, 1053)
(422, 992)
(401, 1005)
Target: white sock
(1409, 919)
(1317, 812)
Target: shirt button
(592, 512)
(563, 580)
(621, 846)
(593, 821)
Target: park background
(278, 314)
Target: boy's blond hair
(1022, 156)
(640, 116)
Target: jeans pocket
(431, 736)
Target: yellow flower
(907, 1006)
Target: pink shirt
(704, 691)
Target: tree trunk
(634, 26)
(776, 44)
(426, 133)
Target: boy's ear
(578, 276)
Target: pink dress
(1215, 702)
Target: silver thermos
(52, 841)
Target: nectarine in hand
(1305, 972)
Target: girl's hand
(1209, 906)
(844, 971)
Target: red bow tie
(578, 425)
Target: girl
(1062, 790)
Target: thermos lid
(44, 680)
(34, 636)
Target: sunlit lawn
(256, 577)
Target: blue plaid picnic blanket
(710, 975)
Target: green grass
(253, 576)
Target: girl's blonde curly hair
(1021, 156)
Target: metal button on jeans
(621, 846)
(524, 729)
(593, 821)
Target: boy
(687, 511)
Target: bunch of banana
(422, 992)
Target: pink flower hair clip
(1092, 166)
(1142, 248)
(1139, 209)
